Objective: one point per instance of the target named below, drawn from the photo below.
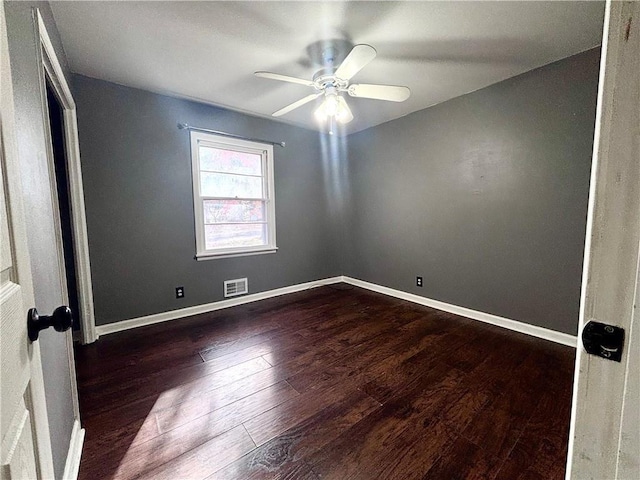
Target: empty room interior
(318, 240)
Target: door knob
(61, 320)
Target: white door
(25, 451)
(605, 423)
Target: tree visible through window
(233, 188)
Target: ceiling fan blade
(358, 57)
(297, 104)
(345, 115)
(284, 78)
(391, 93)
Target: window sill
(212, 256)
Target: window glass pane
(227, 185)
(243, 235)
(219, 160)
(220, 211)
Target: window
(232, 196)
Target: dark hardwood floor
(334, 382)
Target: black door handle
(61, 320)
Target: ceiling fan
(333, 82)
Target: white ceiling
(208, 51)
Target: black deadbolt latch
(603, 340)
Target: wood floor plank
(354, 361)
(358, 451)
(167, 383)
(283, 456)
(474, 352)
(464, 460)
(204, 460)
(179, 436)
(122, 351)
(482, 385)
(415, 451)
(219, 389)
(239, 356)
(387, 376)
(179, 356)
(213, 350)
(334, 382)
(463, 405)
(279, 419)
(118, 430)
(496, 430)
(299, 470)
(497, 426)
(295, 347)
(229, 415)
(542, 448)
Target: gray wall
(30, 137)
(136, 170)
(485, 196)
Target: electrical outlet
(418, 281)
(179, 292)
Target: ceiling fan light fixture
(344, 114)
(320, 113)
(333, 106)
(342, 117)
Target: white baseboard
(72, 464)
(208, 307)
(540, 332)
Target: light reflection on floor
(192, 414)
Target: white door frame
(601, 444)
(50, 67)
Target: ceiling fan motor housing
(325, 78)
(329, 53)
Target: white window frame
(265, 150)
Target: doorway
(55, 114)
(65, 171)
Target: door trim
(49, 69)
(72, 465)
(52, 69)
(610, 268)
